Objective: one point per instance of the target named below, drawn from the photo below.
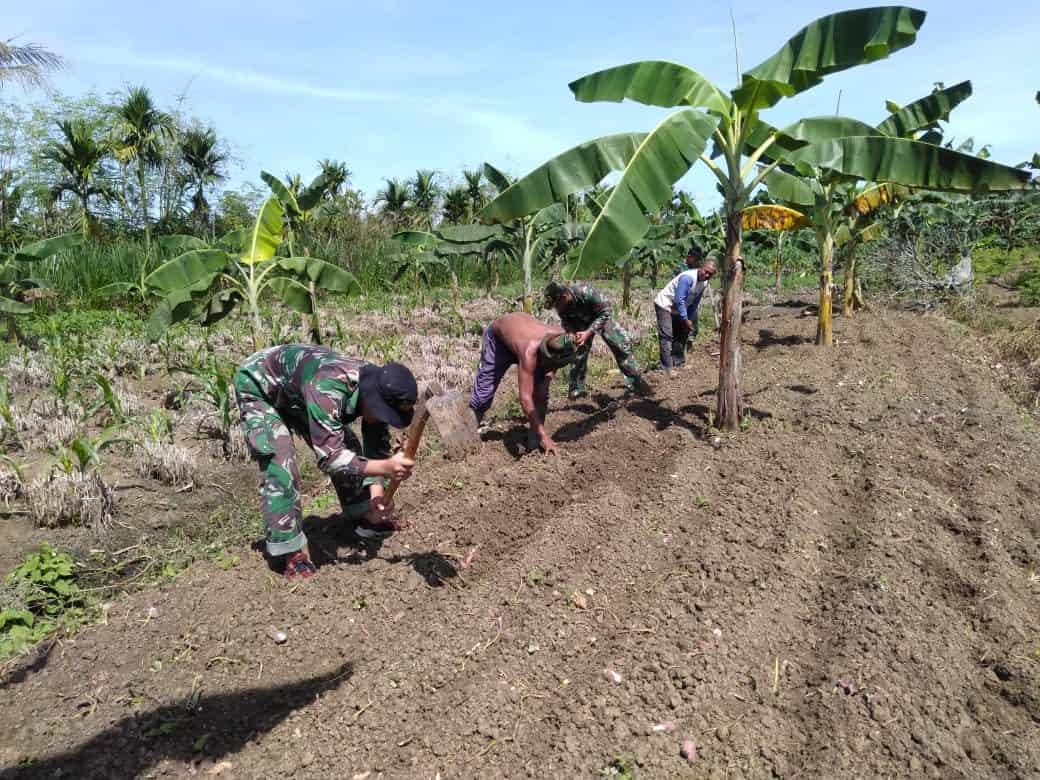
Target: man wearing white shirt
(676, 306)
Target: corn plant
(83, 452)
(209, 282)
(216, 388)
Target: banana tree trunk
(455, 296)
(848, 300)
(730, 403)
(824, 331)
(779, 261)
(144, 203)
(528, 284)
(626, 286)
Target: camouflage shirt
(589, 309)
(315, 391)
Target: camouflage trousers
(271, 444)
(617, 340)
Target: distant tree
(457, 206)
(425, 192)
(27, 65)
(80, 156)
(140, 128)
(200, 152)
(475, 190)
(336, 175)
(395, 201)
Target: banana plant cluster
(208, 282)
(16, 282)
(725, 132)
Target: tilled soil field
(847, 589)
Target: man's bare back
(522, 333)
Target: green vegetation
(40, 597)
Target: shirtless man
(537, 350)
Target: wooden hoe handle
(411, 445)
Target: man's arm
(324, 398)
(599, 305)
(681, 291)
(526, 368)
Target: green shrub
(41, 596)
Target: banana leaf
(234, 240)
(924, 112)
(284, 194)
(181, 243)
(575, 170)
(652, 82)
(468, 234)
(324, 274)
(312, 193)
(662, 158)
(219, 305)
(194, 271)
(770, 217)
(789, 188)
(828, 45)
(498, 179)
(267, 233)
(293, 294)
(176, 307)
(910, 163)
(47, 247)
(11, 306)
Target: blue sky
(389, 86)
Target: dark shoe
(299, 566)
(640, 387)
(577, 392)
(365, 530)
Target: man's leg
(542, 381)
(271, 445)
(495, 360)
(579, 369)
(664, 335)
(621, 347)
(679, 335)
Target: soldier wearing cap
(316, 394)
(585, 311)
(536, 350)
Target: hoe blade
(456, 423)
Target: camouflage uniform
(590, 310)
(313, 393)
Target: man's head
(557, 350)
(706, 270)
(558, 296)
(388, 394)
(694, 256)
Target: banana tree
(443, 246)
(846, 170)
(209, 282)
(16, 285)
(300, 204)
(652, 162)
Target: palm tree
(475, 189)
(394, 198)
(26, 64)
(80, 157)
(336, 175)
(198, 147)
(425, 192)
(457, 206)
(141, 128)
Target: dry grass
(168, 463)
(70, 499)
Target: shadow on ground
(332, 541)
(209, 728)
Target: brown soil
(847, 589)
